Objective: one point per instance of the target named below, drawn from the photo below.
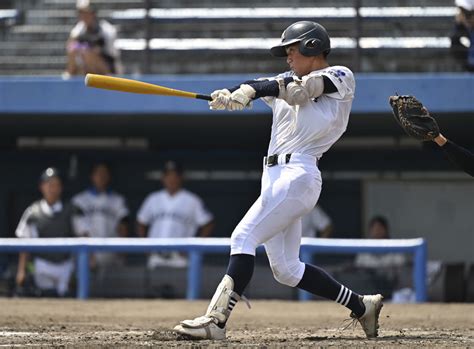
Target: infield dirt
(148, 323)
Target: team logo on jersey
(337, 74)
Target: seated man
(386, 268)
(105, 212)
(49, 218)
(172, 212)
(90, 48)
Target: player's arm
(142, 230)
(206, 229)
(145, 217)
(293, 90)
(25, 229)
(458, 155)
(122, 227)
(21, 271)
(80, 223)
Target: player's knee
(288, 273)
(242, 242)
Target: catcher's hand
(414, 118)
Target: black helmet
(313, 39)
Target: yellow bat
(135, 86)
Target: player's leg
(283, 254)
(278, 206)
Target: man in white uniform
(172, 212)
(105, 212)
(311, 106)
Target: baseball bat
(135, 86)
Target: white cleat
(370, 320)
(203, 327)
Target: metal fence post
(419, 273)
(194, 275)
(305, 257)
(83, 273)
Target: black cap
(173, 166)
(49, 173)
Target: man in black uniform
(49, 218)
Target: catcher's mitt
(414, 118)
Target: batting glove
(220, 99)
(243, 95)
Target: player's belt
(272, 160)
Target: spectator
(387, 269)
(49, 218)
(379, 229)
(105, 212)
(316, 224)
(91, 44)
(463, 37)
(172, 212)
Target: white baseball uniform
(167, 216)
(102, 214)
(290, 190)
(314, 222)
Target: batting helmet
(313, 39)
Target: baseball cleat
(370, 320)
(203, 327)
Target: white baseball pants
(50, 275)
(289, 190)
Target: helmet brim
(280, 50)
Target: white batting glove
(220, 99)
(243, 95)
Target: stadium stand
(233, 36)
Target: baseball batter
(311, 106)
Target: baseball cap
(85, 5)
(49, 173)
(171, 165)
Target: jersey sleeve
(76, 31)
(26, 227)
(121, 210)
(80, 222)
(145, 213)
(201, 215)
(343, 80)
(110, 35)
(459, 156)
(271, 100)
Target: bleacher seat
(234, 36)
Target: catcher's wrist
(440, 140)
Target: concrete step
(25, 48)
(39, 33)
(100, 4)
(31, 71)
(30, 62)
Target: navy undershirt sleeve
(270, 88)
(460, 156)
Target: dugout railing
(197, 247)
